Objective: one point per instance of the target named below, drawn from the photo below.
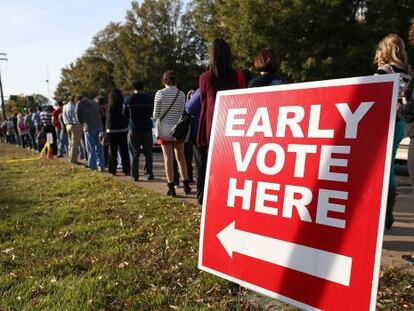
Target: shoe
(135, 178)
(171, 190)
(59, 156)
(408, 259)
(150, 177)
(186, 186)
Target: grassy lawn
(71, 239)
(77, 240)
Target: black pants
(188, 153)
(200, 157)
(32, 135)
(118, 140)
(136, 140)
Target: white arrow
(326, 265)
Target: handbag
(162, 130)
(182, 129)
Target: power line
(3, 108)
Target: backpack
(21, 125)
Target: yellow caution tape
(44, 151)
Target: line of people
(122, 129)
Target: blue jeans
(63, 142)
(94, 148)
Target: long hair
(393, 51)
(411, 33)
(115, 99)
(220, 60)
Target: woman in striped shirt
(168, 108)
(46, 118)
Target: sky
(41, 37)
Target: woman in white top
(168, 108)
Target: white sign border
(380, 232)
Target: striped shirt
(163, 99)
(46, 118)
(405, 78)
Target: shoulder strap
(168, 109)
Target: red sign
(296, 189)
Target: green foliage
(82, 240)
(155, 37)
(22, 103)
(313, 39)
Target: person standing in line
(266, 64)
(28, 119)
(48, 128)
(117, 131)
(193, 108)
(168, 107)
(23, 131)
(73, 129)
(138, 108)
(3, 128)
(100, 100)
(88, 115)
(188, 147)
(409, 129)
(38, 126)
(16, 130)
(64, 137)
(10, 131)
(220, 76)
(391, 57)
(409, 132)
(60, 132)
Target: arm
(78, 113)
(125, 109)
(157, 105)
(193, 106)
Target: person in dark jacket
(266, 64)
(117, 131)
(138, 108)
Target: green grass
(71, 239)
(78, 240)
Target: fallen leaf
(123, 265)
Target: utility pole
(47, 81)
(3, 108)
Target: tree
(155, 37)
(22, 103)
(314, 39)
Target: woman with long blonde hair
(391, 57)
